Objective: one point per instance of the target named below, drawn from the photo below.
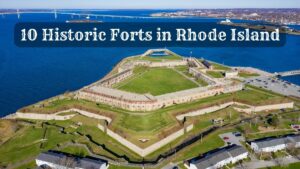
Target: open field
(157, 81)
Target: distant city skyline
(146, 4)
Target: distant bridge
(288, 73)
(56, 13)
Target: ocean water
(28, 75)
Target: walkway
(264, 164)
(288, 73)
(189, 78)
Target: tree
(274, 120)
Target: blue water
(28, 75)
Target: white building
(228, 155)
(231, 74)
(60, 161)
(275, 144)
(226, 21)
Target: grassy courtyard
(157, 81)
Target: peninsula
(153, 109)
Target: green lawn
(144, 123)
(202, 82)
(256, 96)
(246, 75)
(215, 74)
(21, 146)
(30, 165)
(75, 150)
(29, 143)
(160, 58)
(157, 81)
(209, 142)
(219, 66)
(132, 125)
(121, 167)
(290, 166)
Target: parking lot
(275, 84)
(232, 138)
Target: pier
(288, 73)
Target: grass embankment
(290, 166)
(247, 75)
(157, 81)
(30, 165)
(274, 123)
(134, 126)
(219, 66)
(155, 120)
(7, 128)
(160, 58)
(256, 96)
(35, 138)
(215, 74)
(30, 142)
(208, 143)
(75, 150)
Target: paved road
(263, 164)
(169, 166)
(191, 79)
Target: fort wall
(146, 151)
(148, 102)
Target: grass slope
(290, 166)
(215, 74)
(160, 58)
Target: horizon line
(156, 8)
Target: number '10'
(30, 35)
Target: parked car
(237, 134)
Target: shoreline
(256, 70)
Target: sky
(147, 4)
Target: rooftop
(217, 156)
(64, 160)
(270, 142)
